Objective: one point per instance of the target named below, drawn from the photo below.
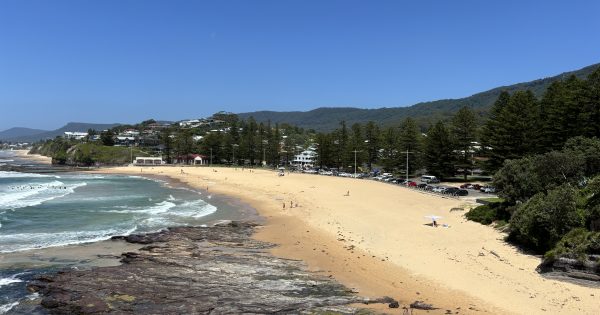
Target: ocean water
(56, 209)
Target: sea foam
(10, 243)
(32, 194)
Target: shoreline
(38, 158)
(377, 242)
(368, 275)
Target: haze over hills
(20, 134)
(426, 113)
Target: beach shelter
(434, 218)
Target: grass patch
(492, 200)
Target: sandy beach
(37, 158)
(378, 241)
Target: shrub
(483, 214)
(576, 244)
(545, 218)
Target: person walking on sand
(284, 205)
(347, 193)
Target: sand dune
(378, 241)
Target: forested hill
(27, 135)
(426, 113)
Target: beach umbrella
(433, 217)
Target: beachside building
(147, 161)
(191, 159)
(306, 158)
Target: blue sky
(126, 61)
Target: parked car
(429, 179)
(476, 187)
(422, 185)
(488, 189)
(451, 190)
(461, 192)
(438, 189)
(411, 184)
(466, 186)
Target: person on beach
(347, 193)
(435, 223)
(284, 205)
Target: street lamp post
(355, 151)
(407, 152)
(233, 153)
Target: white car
(438, 189)
(488, 189)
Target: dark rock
(394, 304)
(582, 272)
(195, 270)
(420, 305)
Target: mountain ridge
(426, 113)
(27, 135)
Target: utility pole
(355, 151)
(407, 152)
(210, 156)
(233, 153)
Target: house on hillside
(75, 135)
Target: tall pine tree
(438, 157)
(463, 134)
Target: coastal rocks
(420, 305)
(584, 272)
(195, 270)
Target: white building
(143, 160)
(305, 158)
(75, 135)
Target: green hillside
(326, 119)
